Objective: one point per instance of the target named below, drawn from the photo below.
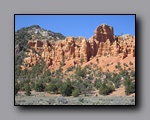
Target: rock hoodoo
(102, 43)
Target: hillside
(25, 34)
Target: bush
(124, 73)
(27, 89)
(47, 73)
(22, 84)
(90, 77)
(75, 93)
(81, 59)
(116, 80)
(39, 86)
(130, 63)
(110, 86)
(32, 84)
(52, 88)
(66, 89)
(16, 87)
(118, 66)
(130, 89)
(132, 73)
(58, 84)
(129, 86)
(125, 65)
(103, 90)
(80, 72)
(97, 83)
(70, 68)
(87, 87)
(107, 65)
(106, 89)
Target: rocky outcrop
(104, 32)
(102, 43)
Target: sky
(78, 25)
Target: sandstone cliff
(72, 50)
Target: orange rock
(102, 44)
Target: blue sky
(78, 25)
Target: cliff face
(102, 43)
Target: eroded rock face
(104, 32)
(102, 43)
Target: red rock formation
(103, 43)
(104, 32)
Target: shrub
(22, 84)
(116, 80)
(108, 75)
(129, 86)
(129, 69)
(59, 71)
(80, 72)
(118, 66)
(124, 73)
(106, 89)
(78, 84)
(70, 68)
(132, 73)
(97, 83)
(48, 79)
(90, 77)
(39, 86)
(16, 87)
(66, 88)
(125, 65)
(110, 86)
(27, 89)
(52, 88)
(47, 73)
(103, 90)
(81, 59)
(75, 93)
(130, 63)
(58, 84)
(87, 87)
(107, 65)
(32, 84)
